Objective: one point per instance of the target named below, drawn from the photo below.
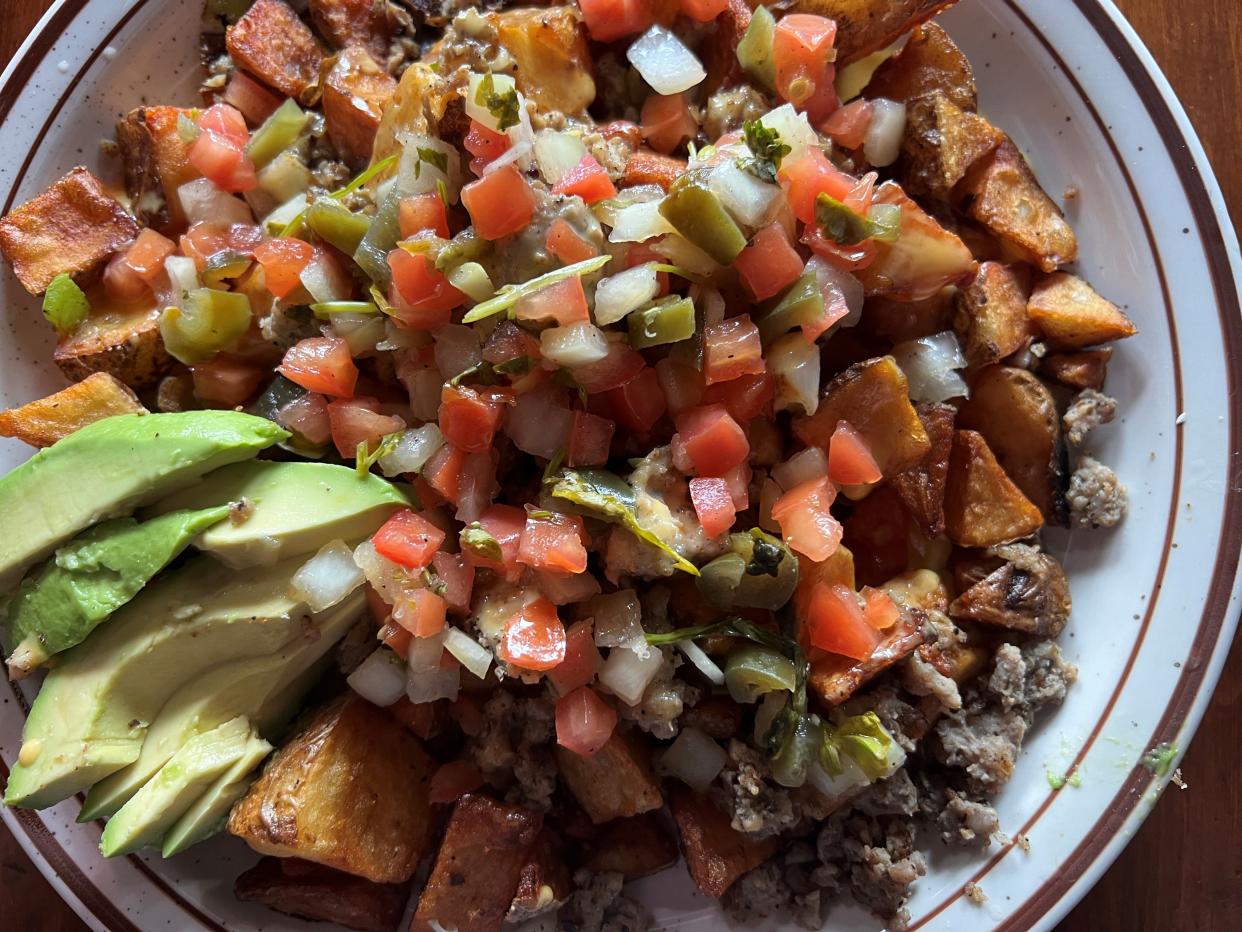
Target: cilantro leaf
(504, 107)
(766, 148)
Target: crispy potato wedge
(271, 42)
(1083, 369)
(348, 791)
(321, 894)
(982, 506)
(877, 533)
(616, 782)
(990, 316)
(647, 167)
(921, 487)
(1001, 193)
(716, 853)
(355, 92)
(941, 143)
(633, 847)
(544, 882)
(486, 845)
(1071, 314)
(717, 716)
(346, 23)
(71, 228)
(871, 395)
(553, 61)
(834, 678)
(419, 105)
(866, 26)
(41, 423)
(1017, 416)
(157, 162)
(924, 259)
(900, 321)
(929, 63)
(1027, 593)
(922, 589)
(720, 49)
(951, 652)
(123, 341)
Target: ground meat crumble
(1089, 410)
(1096, 496)
(513, 749)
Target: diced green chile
(210, 321)
(65, 304)
(752, 670)
(224, 265)
(839, 223)
(277, 133)
(480, 542)
(697, 214)
(380, 239)
(759, 571)
(339, 226)
(885, 222)
(667, 321)
(802, 303)
(863, 739)
(278, 394)
(754, 51)
(466, 246)
(798, 751)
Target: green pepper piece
(65, 304)
(759, 571)
(802, 303)
(210, 321)
(337, 225)
(697, 214)
(754, 52)
(279, 393)
(840, 224)
(864, 739)
(466, 246)
(752, 671)
(277, 133)
(667, 321)
(794, 757)
(223, 265)
(380, 239)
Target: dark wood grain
(1183, 871)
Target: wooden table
(1184, 869)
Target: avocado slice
(266, 689)
(108, 468)
(91, 577)
(297, 508)
(92, 714)
(179, 783)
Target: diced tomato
(711, 439)
(468, 418)
(731, 348)
(553, 544)
(226, 122)
(422, 296)
(476, 486)
(566, 244)
(590, 439)
(588, 180)
(745, 397)
(639, 403)
(147, 253)
(484, 144)
(321, 364)
(443, 472)
(620, 365)
(356, 420)
(396, 637)
(582, 659)
(203, 240)
(681, 383)
(283, 260)
(848, 126)
(421, 612)
(509, 342)
(562, 302)
(704, 11)
(804, 514)
(584, 721)
(121, 282)
(667, 121)
(879, 609)
(505, 523)
(566, 590)
(307, 416)
(255, 101)
(769, 264)
(611, 19)
(219, 152)
(409, 539)
(849, 458)
(457, 574)
(835, 623)
(421, 718)
(452, 781)
(420, 212)
(466, 713)
(846, 258)
(808, 177)
(800, 52)
(713, 504)
(534, 638)
(227, 380)
(738, 481)
(500, 203)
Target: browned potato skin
(982, 506)
(615, 782)
(321, 894)
(941, 143)
(544, 882)
(899, 321)
(921, 487)
(346, 23)
(834, 679)
(271, 42)
(1083, 369)
(866, 26)
(1001, 193)
(633, 847)
(419, 104)
(71, 228)
(871, 395)
(553, 61)
(157, 162)
(486, 845)
(717, 716)
(41, 423)
(1028, 593)
(355, 92)
(716, 854)
(349, 791)
(1072, 315)
(1017, 416)
(929, 63)
(990, 316)
(123, 341)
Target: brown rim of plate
(1216, 606)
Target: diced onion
(182, 279)
(328, 577)
(427, 680)
(203, 201)
(519, 152)
(556, 153)
(849, 780)
(930, 365)
(747, 198)
(627, 675)
(694, 759)
(472, 280)
(638, 223)
(326, 280)
(566, 589)
(618, 295)
(809, 464)
(577, 344)
(681, 252)
(457, 349)
(396, 338)
(389, 579)
(834, 281)
(664, 61)
(704, 663)
(285, 214)
(380, 679)
(362, 332)
(796, 365)
(793, 128)
(619, 621)
(882, 144)
(769, 492)
(417, 174)
(539, 423)
(412, 451)
(765, 715)
(470, 653)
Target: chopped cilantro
(766, 148)
(434, 156)
(504, 107)
(365, 458)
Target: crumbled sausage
(728, 110)
(597, 905)
(758, 805)
(513, 749)
(1096, 496)
(1089, 410)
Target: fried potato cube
(716, 853)
(929, 63)
(719, 49)
(866, 26)
(647, 167)
(834, 678)
(1083, 369)
(1071, 314)
(157, 162)
(921, 487)
(872, 395)
(41, 423)
(1001, 193)
(899, 321)
(355, 92)
(982, 506)
(321, 894)
(941, 143)
(545, 882)
(1017, 416)
(349, 791)
(633, 847)
(615, 782)
(123, 341)
(549, 46)
(924, 259)
(271, 42)
(717, 716)
(486, 846)
(346, 23)
(71, 228)
(877, 533)
(990, 318)
(423, 100)
(1027, 593)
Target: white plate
(1153, 601)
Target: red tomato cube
(409, 539)
(713, 503)
(711, 440)
(584, 721)
(500, 203)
